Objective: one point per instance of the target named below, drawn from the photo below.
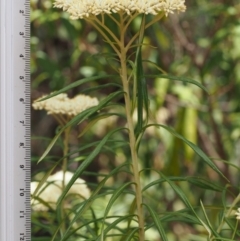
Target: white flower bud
(61, 104)
(87, 8)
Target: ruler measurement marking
(15, 162)
(24, 141)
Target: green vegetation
(184, 115)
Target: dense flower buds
(88, 8)
(61, 104)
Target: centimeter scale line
(15, 130)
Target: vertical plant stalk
(64, 169)
(65, 152)
(121, 49)
(132, 138)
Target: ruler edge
(4, 166)
(6, 114)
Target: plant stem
(65, 152)
(64, 169)
(132, 138)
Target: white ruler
(15, 210)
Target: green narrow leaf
(205, 184)
(185, 200)
(56, 232)
(80, 118)
(130, 235)
(94, 196)
(50, 145)
(181, 216)
(197, 150)
(142, 93)
(70, 234)
(85, 163)
(157, 222)
(88, 112)
(77, 83)
(208, 222)
(98, 87)
(134, 89)
(180, 193)
(96, 119)
(115, 195)
(132, 209)
(43, 180)
(41, 201)
(197, 181)
(83, 115)
(155, 65)
(117, 221)
(86, 224)
(178, 78)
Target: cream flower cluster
(87, 8)
(52, 190)
(61, 104)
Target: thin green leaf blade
(142, 93)
(185, 200)
(178, 78)
(85, 163)
(94, 195)
(115, 195)
(77, 83)
(80, 118)
(197, 150)
(53, 141)
(157, 222)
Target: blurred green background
(203, 44)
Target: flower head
(61, 104)
(87, 8)
(52, 190)
(238, 214)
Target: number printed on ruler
(22, 155)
